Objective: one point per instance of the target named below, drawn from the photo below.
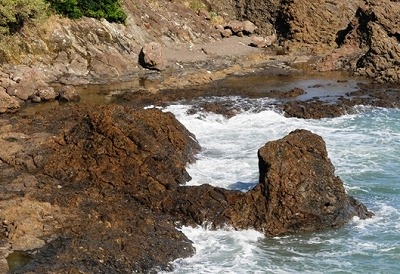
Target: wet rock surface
(100, 189)
(226, 97)
(301, 190)
(85, 192)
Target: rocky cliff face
(360, 36)
(314, 25)
(370, 45)
(91, 50)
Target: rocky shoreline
(70, 53)
(99, 188)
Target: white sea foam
(365, 149)
(225, 251)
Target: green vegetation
(108, 9)
(15, 13)
(197, 5)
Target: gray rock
(259, 42)
(47, 94)
(226, 33)
(68, 94)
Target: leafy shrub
(15, 13)
(108, 9)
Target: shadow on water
(242, 186)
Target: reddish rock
(261, 42)
(249, 27)
(236, 26)
(226, 33)
(151, 56)
(106, 184)
(47, 93)
(241, 28)
(314, 25)
(262, 13)
(378, 28)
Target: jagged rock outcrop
(102, 188)
(87, 190)
(370, 44)
(301, 189)
(314, 25)
(262, 13)
(298, 191)
(379, 29)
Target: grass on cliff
(14, 14)
(110, 10)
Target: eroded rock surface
(298, 191)
(370, 43)
(100, 189)
(88, 195)
(301, 189)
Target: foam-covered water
(365, 149)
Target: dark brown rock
(107, 183)
(295, 92)
(313, 26)
(97, 181)
(262, 13)
(298, 191)
(378, 27)
(302, 192)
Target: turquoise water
(365, 149)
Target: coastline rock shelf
(107, 186)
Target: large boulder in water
(298, 191)
(301, 190)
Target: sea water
(365, 149)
